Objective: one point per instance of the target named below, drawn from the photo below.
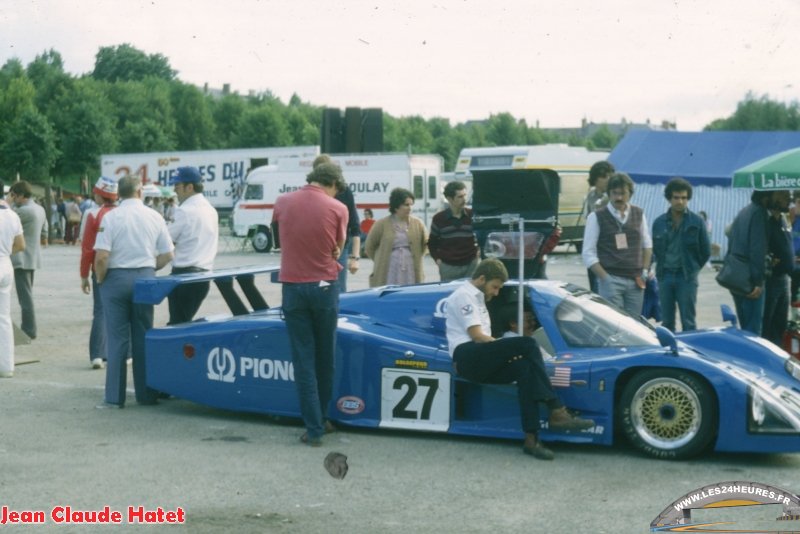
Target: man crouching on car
(479, 357)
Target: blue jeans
(675, 288)
(343, 260)
(750, 312)
(311, 312)
(622, 292)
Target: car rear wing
(155, 290)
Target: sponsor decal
(677, 517)
(350, 405)
(411, 363)
(222, 367)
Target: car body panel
(393, 369)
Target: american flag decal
(560, 378)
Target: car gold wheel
(669, 413)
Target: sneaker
(97, 363)
(561, 419)
(6, 374)
(538, 450)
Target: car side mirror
(667, 339)
(728, 315)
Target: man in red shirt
(311, 226)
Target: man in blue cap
(195, 232)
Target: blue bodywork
(393, 369)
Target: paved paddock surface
(247, 473)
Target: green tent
(777, 172)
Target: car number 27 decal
(413, 399)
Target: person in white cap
(12, 240)
(195, 232)
(105, 196)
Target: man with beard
(617, 247)
(780, 250)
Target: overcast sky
(551, 61)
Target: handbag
(735, 275)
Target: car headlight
(772, 412)
(793, 368)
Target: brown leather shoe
(538, 450)
(561, 419)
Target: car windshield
(586, 320)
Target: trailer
(371, 177)
(223, 171)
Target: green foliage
(191, 110)
(760, 113)
(30, 147)
(262, 125)
(126, 63)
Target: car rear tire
(262, 240)
(668, 413)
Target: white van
(371, 177)
(570, 162)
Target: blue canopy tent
(706, 159)
(703, 158)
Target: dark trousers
(508, 360)
(23, 280)
(185, 300)
(776, 308)
(311, 312)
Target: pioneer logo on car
(222, 367)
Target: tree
(504, 130)
(193, 115)
(144, 135)
(30, 147)
(760, 113)
(262, 126)
(85, 126)
(603, 138)
(227, 113)
(46, 72)
(126, 63)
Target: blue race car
(671, 396)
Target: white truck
(571, 163)
(224, 171)
(371, 177)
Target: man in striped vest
(617, 247)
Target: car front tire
(668, 413)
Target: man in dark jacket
(748, 239)
(781, 260)
(680, 248)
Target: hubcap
(666, 413)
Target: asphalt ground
(236, 472)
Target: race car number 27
(415, 399)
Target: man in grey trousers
(34, 227)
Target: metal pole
(521, 275)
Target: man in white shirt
(195, 232)
(12, 240)
(617, 247)
(132, 243)
(479, 357)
